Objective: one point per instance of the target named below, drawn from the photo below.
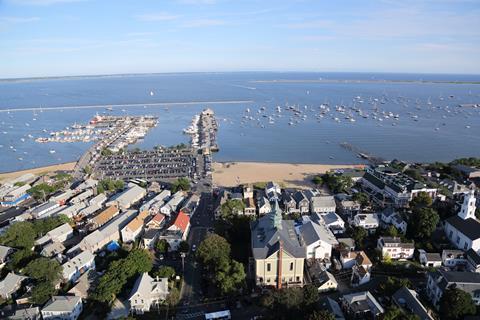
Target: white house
(351, 258)
(463, 230)
(453, 258)
(322, 204)
(332, 221)
(173, 204)
(75, 267)
(368, 221)
(394, 248)
(147, 293)
(133, 229)
(63, 307)
(127, 198)
(317, 239)
(264, 206)
(177, 232)
(326, 282)
(429, 259)
(440, 280)
(10, 284)
(59, 234)
(391, 217)
(4, 253)
(273, 191)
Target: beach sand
(62, 166)
(229, 174)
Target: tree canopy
(164, 272)
(362, 198)
(183, 247)
(162, 246)
(337, 183)
(44, 269)
(231, 208)
(456, 304)
(110, 185)
(422, 199)
(181, 184)
(42, 292)
(213, 249)
(359, 234)
(423, 222)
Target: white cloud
(203, 23)
(160, 16)
(42, 2)
(197, 2)
(18, 19)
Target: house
(409, 301)
(361, 305)
(394, 184)
(326, 282)
(351, 258)
(332, 221)
(15, 195)
(133, 229)
(323, 204)
(394, 248)
(4, 253)
(263, 205)
(62, 197)
(105, 216)
(63, 307)
(156, 222)
(347, 207)
(173, 204)
(150, 238)
(177, 232)
(440, 280)
(278, 255)
(85, 284)
(453, 258)
(191, 205)
(368, 221)
(73, 210)
(333, 307)
(361, 270)
(390, 217)
(102, 236)
(317, 239)
(98, 200)
(463, 230)
(273, 191)
(473, 260)
(147, 293)
(303, 205)
(250, 209)
(289, 203)
(429, 259)
(59, 234)
(127, 198)
(154, 204)
(75, 267)
(82, 196)
(52, 249)
(467, 171)
(44, 210)
(247, 191)
(32, 313)
(10, 285)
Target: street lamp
(182, 255)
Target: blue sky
(78, 37)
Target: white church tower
(468, 206)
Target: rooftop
(62, 304)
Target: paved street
(201, 221)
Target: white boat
(52, 151)
(151, 93)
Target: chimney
(279, 275)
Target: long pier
(154, 104)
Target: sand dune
(62, 166)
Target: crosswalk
(198, 315)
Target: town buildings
(63, 307)
(147, 293)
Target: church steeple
(276, 216)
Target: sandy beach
(291, 175)
(62, 166)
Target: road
(202, 220)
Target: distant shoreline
(363, 81)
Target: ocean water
(443, 130)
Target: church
(463, 230)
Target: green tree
(391, 231)
(183, 247)
(310, 295)
(422, 199)
(391, 285)
(42, 226)
(394, 313)
(20, 259)
(181, 184)
(362, 198)
(230, 277)
(42, 292)
(423, 222)
(162, 246)
(321, 315)
(359, 234)
(164, 272)
(173, 297)
(44, 269)
(19, 235)
(317, 180)
(87, 170)
(231, 208)
(456, 304)
(337, 183)
(213, 249)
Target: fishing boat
(52, 151)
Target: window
(268, 280)
(298, 279)
(291, 266)
(269, 267)
(458, 239)
(451, 234)
(465, 246)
